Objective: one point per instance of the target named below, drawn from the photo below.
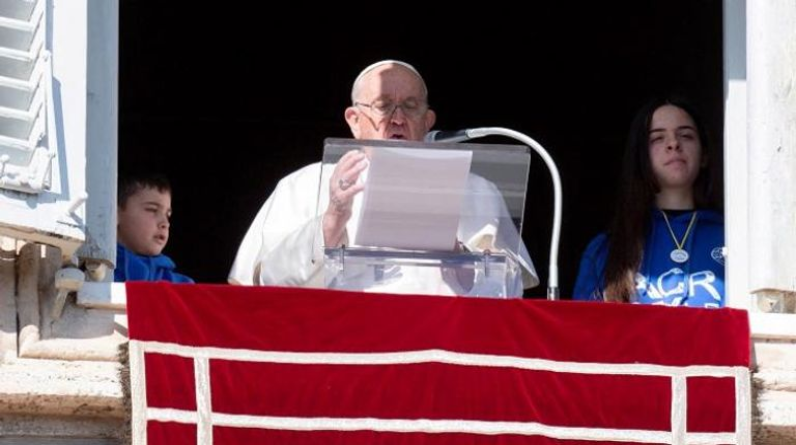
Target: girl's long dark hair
(632, 215)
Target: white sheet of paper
(413, 198)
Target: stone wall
(59, 377)
(774, 398)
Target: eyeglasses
(382, 108)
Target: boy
(142, 231)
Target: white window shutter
(26, 152)
(52, 91)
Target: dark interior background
(227, 100)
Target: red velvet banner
(288, 365)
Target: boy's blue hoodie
(699, 282)
(133, 267)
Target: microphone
(555, 238)
(447, 136)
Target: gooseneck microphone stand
(463, 135)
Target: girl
(664, 245)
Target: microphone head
(447, 136)
(431, 136)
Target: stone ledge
(775, 354)
(774, 395)
(50, 387)
(37, 429)
(776, 380)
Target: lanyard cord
(679, 244)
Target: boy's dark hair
(132, 183)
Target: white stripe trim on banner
(743, 407)
(438, 427)
(438, 356)
(679, 409)
(205, 418)
(135, 354)
(204, 406)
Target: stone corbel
(78, 334)
(8, 304)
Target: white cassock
(284, 245)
